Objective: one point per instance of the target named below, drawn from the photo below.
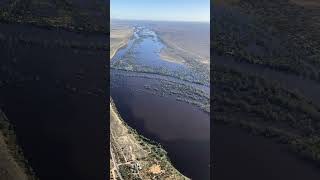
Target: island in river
(132, 155)
(151, 93)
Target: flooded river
(183, 129)
(61, 132)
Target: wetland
(164, 100)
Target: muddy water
(181, 128)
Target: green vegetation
(127, 172)
(267, 109)
(279, 35)
(156, 155)
(66, 14)
(196, 95)
(194, 72)
(50, 43)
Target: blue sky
(168, 10)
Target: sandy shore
(169, 55)
(127, 146)
(122, 135)
(121, 37)
(12, 165)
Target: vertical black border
(107, 119)
(211, 88)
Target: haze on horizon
(161, 10)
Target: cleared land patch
(134, 156)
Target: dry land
(134, 156)
(119, 36)
(13, 166)
(184, 39)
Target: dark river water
(254, 157)
(183, 129)
(237, 154)
(61, 132)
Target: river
(183, 129)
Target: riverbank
(13, 166)
(144, 156)
(119, 38)
(157, 116)
(169, 55)
(49, 88)
(184, 41)
(259, 82)
(131, 152)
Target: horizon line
(158, 20)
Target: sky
(161, 10)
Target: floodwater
(142, 54)
(145, 46)
(61, 132)
(182, 129)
